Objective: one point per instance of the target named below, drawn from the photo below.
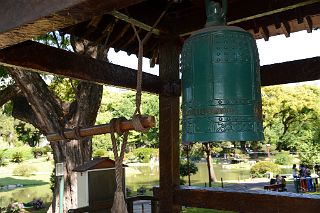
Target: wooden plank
(291, 72)
(42, 58)
(25, 19)
(245, 200)
(169, 125)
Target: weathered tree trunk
(211, 173)
(42, 108)
(255, 149)
(243, 147)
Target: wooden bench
(274, 187)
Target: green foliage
(14, 207)
(144, 154)
(5, 79)
(62, 87)
(2, 159)
(122, 104)
(7, 131)
(46, 149)
(291, 115)
(100, 153)
(25, 170)
(24, 150)
(17, 157)
(260, 168)
(27, 134)
(37, 151)
(184, 168)
(283, 158)
(55, 39)
(196, 152)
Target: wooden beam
(245, 200)
(135, 22)
(265, 33)
(308, 23)
(125, 125)
(42, 58)
(169, 125)
(276, 11)
(286, 29)
(23, 20)
(291, 72)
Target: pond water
(139, 175)
(25, 194)
(147, 175)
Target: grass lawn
(40, 177)
(199, 210)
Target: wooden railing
(154, 203)
(243, 200)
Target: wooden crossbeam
(146, 122)
(23, 20)
(291, 72)
(42, 58)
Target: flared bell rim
(214, 138)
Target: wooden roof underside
(188, 16)
(96, 20)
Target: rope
(77, 133)
(62, 135)
(119, 205)
(137, 124)
(140, 57)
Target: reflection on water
(142, 175)
(26, 195)
(148, 176)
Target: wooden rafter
(308, 23)
(135, 22)
(286, 29)
(265, 33)
(27, 19)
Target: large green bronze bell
(221, 96)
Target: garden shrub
(14, 207)
(24, 170)
(17, 157)
(37, 152)
(25, 150)
(100, 153)
(261, 168)
(144, 154)
(46, 149)
(184, 170)
(283, 158)
(2, 158)
(130, 157)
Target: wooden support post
(169, 125)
